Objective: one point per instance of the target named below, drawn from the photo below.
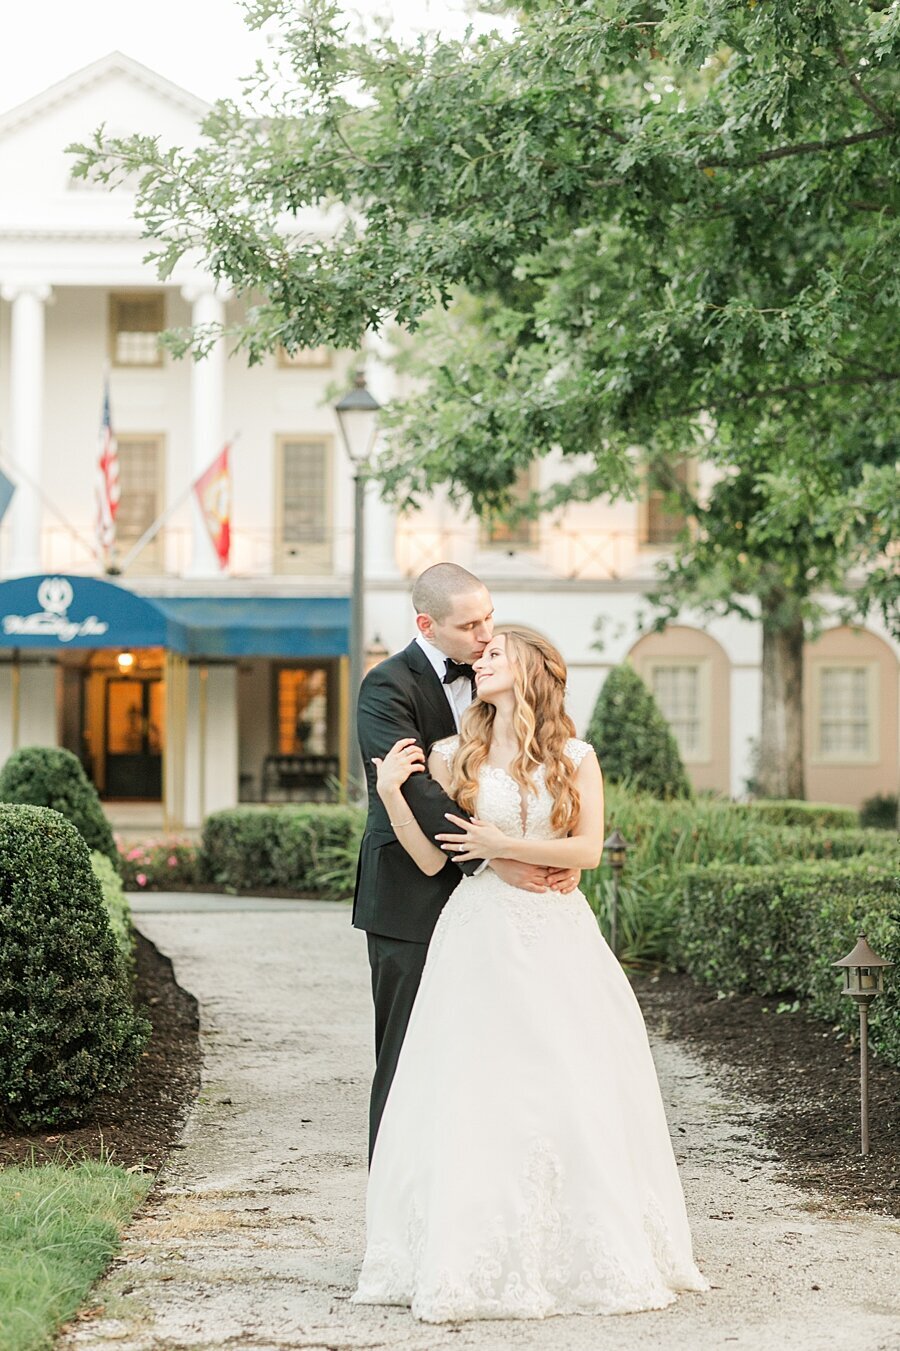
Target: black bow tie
(456, 670)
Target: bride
(523, 1165)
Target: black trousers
(396, 971)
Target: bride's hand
(480, 840)
(404, 758)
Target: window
(140, 497)
(135, 323)
(498, 532)
(659, 524)
(303, 504)
(304, 358)
(681, 689)
(845, 702)
(303, 711)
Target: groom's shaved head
(434, 591)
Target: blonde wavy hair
(541, 723)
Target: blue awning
(61, 611)
(261, 626)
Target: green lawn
(59, 1227)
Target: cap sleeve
(447, 748)
(576, 750)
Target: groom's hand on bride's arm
(563, 880)
(524, 876)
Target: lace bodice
(501, 800)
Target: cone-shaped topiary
(48, 776)
(632, 739)
(68, 1030)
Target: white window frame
(116, 300)
(871, 755)
(312, 559)
(304, 358)
(527, 482)
(702, 665)
(150, 559)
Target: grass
(59, 1227)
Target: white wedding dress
(523, 1165)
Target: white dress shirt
(459, 691)
(459, 696)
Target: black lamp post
(357, 415)
(615, 847)
(863, 981)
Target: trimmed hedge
(810, 815)
(117, 909)
(68, 1031)
(305, 848)
(48, 776)
(776, 930)
(633, 741)
(668, 837)
(880, 811)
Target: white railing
(565, 553)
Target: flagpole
(160, 521)
(17, 472)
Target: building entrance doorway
(135, 710)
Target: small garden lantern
(863, 981)
(615, 847)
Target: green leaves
(615, 225)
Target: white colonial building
(188, 690)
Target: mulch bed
(140, 1125)
(802, 1075)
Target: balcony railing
(572, 553)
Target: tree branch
(866, 97)
(803, 148)
(880, 378)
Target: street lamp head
(615, 846)
(863, 971)
(357, 415)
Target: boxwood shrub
(68, 1031)
(302, 849)
(811, 815)
(775, 930)
(632, 739)
(117, 910)
(48, 776)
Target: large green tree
(621, 224)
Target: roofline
(90, 74)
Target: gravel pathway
(254, 1233)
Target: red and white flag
(107, 483)
(213, 489)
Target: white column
(381, 519)
(26, 382)
(207, 418)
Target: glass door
(134, 738)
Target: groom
(420, 692)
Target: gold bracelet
(397, 824)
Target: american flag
(107, 480)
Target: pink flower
(134, 853)
(173, 861)
(141, 879)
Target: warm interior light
(125, 660)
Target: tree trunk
(781, 739)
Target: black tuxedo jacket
(402, 697)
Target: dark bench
(301, 778)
